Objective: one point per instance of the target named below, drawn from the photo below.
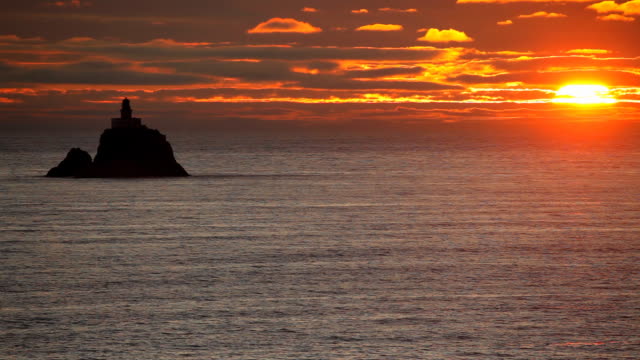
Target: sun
(584, 94)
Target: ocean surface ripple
(325, 247)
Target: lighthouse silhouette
(126, 121)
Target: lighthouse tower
(125, 120)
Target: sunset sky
(200, 62)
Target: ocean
(435, 245)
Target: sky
(249, 63)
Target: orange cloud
(17, 39)
(309, 9)
(616, 17)
(505, 22)
(255, 74)
(588, 51)
(516, 1)
(284, 25)
(360, 11)
(450, 35)
(380, 27)
(386, 9)
(604, 7)
(155, 42)
(628, 8)
(70, 3)
(542, 14)
(6, 100)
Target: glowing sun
(584, 94)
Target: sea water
(325, 246)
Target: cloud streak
(518, 1)
(609, 77)
(380, 27)
(70, 3)
(89, 73)
(542, 14)
(284, 25)
(394, 10)
(616, 17)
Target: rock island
(128, 149)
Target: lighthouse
(129, 149)
(125, 120)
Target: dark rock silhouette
(128, 149)
(134, 152)
(76, 162)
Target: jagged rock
(134, 152)
(76, 162)
(128, 149)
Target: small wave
(219, 176)
(343, 338)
